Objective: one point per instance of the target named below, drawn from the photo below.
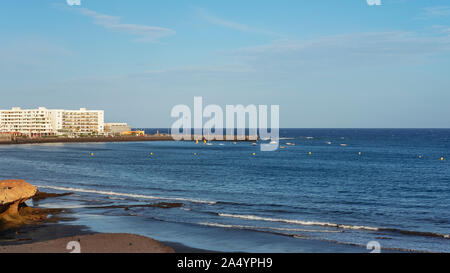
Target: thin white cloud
(371, 43)
(442, 29)
(328, 53)
(143, 32)
(432, 12)
(222, 68)
(207, 16)
(32, 53)
(349, 50)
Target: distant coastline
(41, 140)
(85, 139)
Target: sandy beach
(93, 243)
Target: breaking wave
(130, 195)
(340, 226)
(265, 228)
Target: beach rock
(165, 205)
(44, 195)
(13, 194)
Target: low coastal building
(116, 128)
(5, 137)
(133, 133)
(48, 122)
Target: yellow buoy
(442, 158)
(420, 156)
(195, 153)
(254, 153)
(309, 153)
(151, 153)
(92, 154)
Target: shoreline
(102, 139)
(85, 139)
(53, 235)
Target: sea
(324, 190)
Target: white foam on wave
(263, 228)
(115, 198)
(297, 222)
(63, 206)
(131, 195)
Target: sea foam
(130, 195)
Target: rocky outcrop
(44, 195)
(13, 193)
(13, 210)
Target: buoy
(151, 153)
(309, 153)
(92, 154)
(195, 153)
(254, 153)
(359, 153)
(204, 141)
(420, 156)
(442, 158)
(196, 141)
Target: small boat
(274, 142)
(329, 142)
(282, 147)
(344, 145)
(290, 144)
(254, 144)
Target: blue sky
(327, 63)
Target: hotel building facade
(46, 122)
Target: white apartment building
(43, 121)
(80, 121)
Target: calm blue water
(396, 192)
